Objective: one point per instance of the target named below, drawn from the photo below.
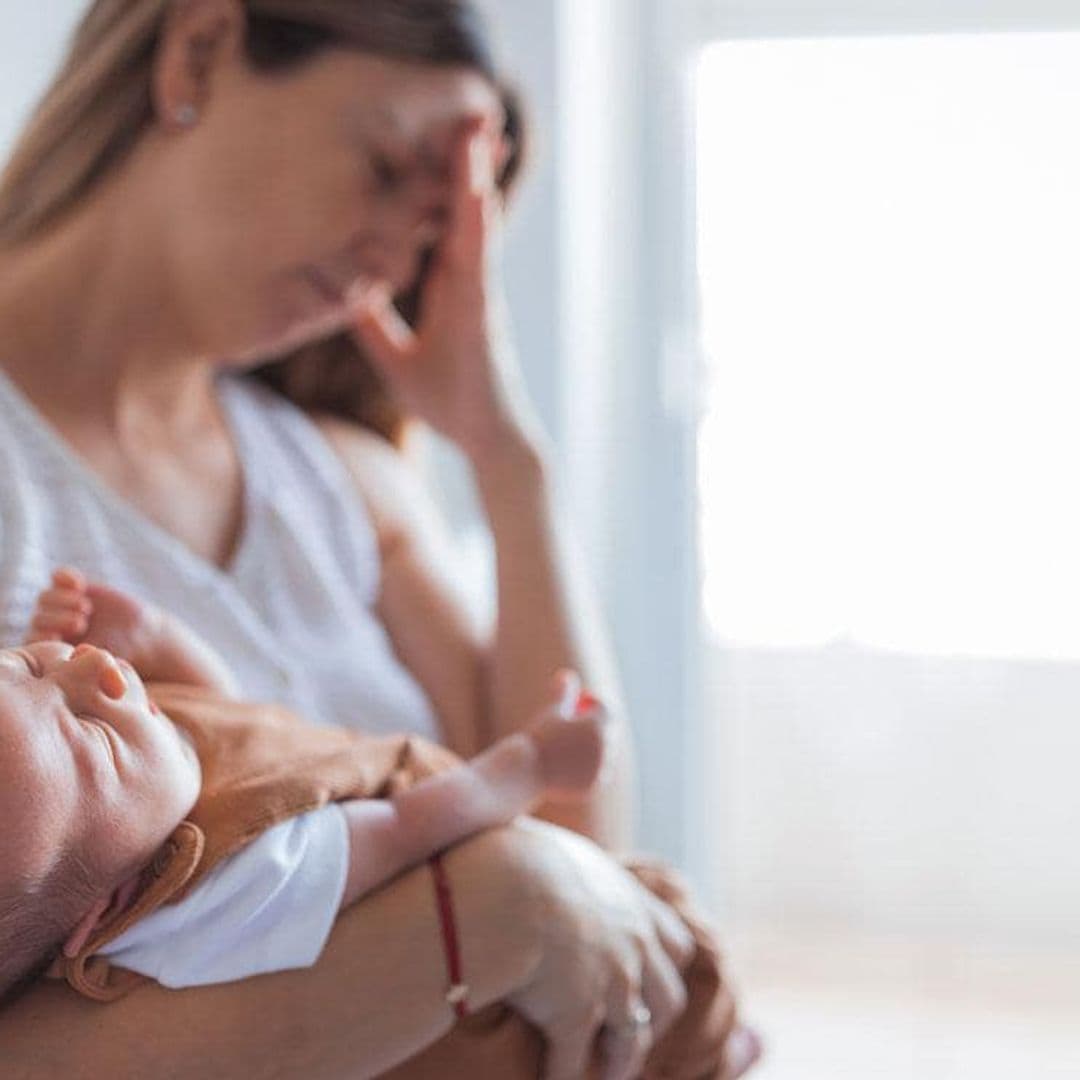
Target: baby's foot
(571, 752)
(75, 610)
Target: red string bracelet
(458, 991)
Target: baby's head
(92, 782)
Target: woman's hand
(456, 370)
(610, 960)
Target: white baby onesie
(270, 907)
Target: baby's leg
(569, 753)
(553, 758)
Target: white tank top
(293, 613)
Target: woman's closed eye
(389, 173)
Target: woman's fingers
(625, 1049)
(674, 934)
(662, 989)
(473, 207)
(570, 1048)
(628, 1034)
(385, 335)
(742, 1051)
(640, 1012)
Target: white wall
(817, 18)
(30, 48)
(601, 213)
(926, 797)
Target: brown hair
(100, 104)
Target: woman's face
(292, 192)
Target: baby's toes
(64, 596)
(59, 622)
(67, 578)
(571, 751)
(60, 602)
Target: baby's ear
(102, 911)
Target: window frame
(831, 18)
(672, 365)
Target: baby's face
(87, 765)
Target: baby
(94, 778)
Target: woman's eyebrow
(423, 148)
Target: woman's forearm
(375, 998)
(548, 619)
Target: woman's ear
(198, 39)
(101, 912)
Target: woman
(209, 185)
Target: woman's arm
(374, 999)
(548, 618)
(485, 685)
(455, 369)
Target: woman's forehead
(433, 101)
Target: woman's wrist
(497, 883)
(510, 464)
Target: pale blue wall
(30, 47)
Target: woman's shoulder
(386, 478)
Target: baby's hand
(74, 610)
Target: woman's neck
(87, 329)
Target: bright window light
(890, 274)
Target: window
(889, 236)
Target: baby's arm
(558, 754)
(160, 647)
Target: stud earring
(186, 115)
